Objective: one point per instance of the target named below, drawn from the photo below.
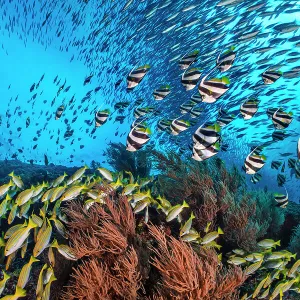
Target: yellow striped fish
(13, 229)
(3, 282)
(18, 294)
(72, 192)
(252, 268)
(5, 187)
(64, 250)
(51, 256)
(17, 180)
(24, 196)
(25, 272)
(12, 214)
(59, 226)
(10, 259)
(4, 205)
(59, 180)
(43, 240)
(40, 283)
(46, 293)
(17, 239)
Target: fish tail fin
(277, 243)
(33, 259)
(11, 174)
(220, 231)
(184, 204)
(31, 224)
(20, 292)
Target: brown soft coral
(104, 236)
(186, 274)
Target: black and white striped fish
(254, 162)
(212, 89)
(190, 78)
(206, 135)
(203, 154)
(142, 111)
(281, 179)
(136, 76)
(137, 138)
(188, 59)
(27, 122)
(281, 199)
(196, 112)
(59, 112)
(197, 98)
(282, 119)
(163, 124)
(270, 76)
(177, 126)
(291, 163)
(225, 60)
(224, 118)
(275, 164)
(256, 178)
(186, 107)
(279, 135)
(270, 112)
(249, 108)
(162, 92)
(101, 117)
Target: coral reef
(128, 237)
(220, 197)
(138, 163)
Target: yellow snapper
(106, 174)
(59, 180)
(37, 190)
(17, 180)
(46, 293)
(174, 211)
(3, 281)
(141, 205)
(5, 187)
(72, 192)
(4, 205)
(59, 226)
(25, 272)
(12, 213)
(64, 250)
(40, 283)
(57, 193)
(187, 225)
(209, 237)
(78, 174)
(268, 243)
(24, 196)
(43, 239)
(259, 286)
(17, 239)
(129, 188)
(294, 268)
(235, 260)
(18, 294)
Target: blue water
(127, 39)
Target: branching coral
(186, 274)
(104, 235)
(219, 196)
(138, 163)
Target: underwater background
(67, 102)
